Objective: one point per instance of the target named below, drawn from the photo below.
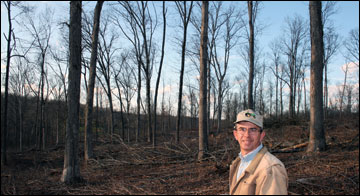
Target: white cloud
(352, 67)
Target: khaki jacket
(266, 175)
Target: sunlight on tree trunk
(317, 136)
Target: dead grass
(173, 169)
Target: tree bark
(71, 171)
(185, 19)
(203, 141)
(317, 136)
(4, 127)
(88, 147)
(251, 56)
(159, 74)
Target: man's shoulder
(270, 160)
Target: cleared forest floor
(173, 169)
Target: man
(255, 171)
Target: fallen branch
(295, 148)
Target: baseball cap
(250, 115)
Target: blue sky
(272, 15)
(346, 19)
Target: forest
(91, 103)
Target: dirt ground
(172, 168)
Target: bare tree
(59, 72)
(203, 142)
(127, 83)
(142, 27)
(301, 66)
(17, 82)
(11, 46)
(232, 25)
(185, 14)
(60, 58)
(40, 33)
(346, 71)
(71, 171)
(244, 75)
(159, 74)
(194, 105)
(352, 55)
(216, 21)
(293, 47)
(352, 46)
(317, 136)
(8, 58)
(88, 147)
(121, 64)
(275, 51)
(252, 12)
(331, 44)
(106, 57)
(134, 37)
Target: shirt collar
(250, 156)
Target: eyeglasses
(251, 131)
(247, 114)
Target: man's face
(248, 135)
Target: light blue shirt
(246, 160)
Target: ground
(172, 168)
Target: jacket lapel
(234, 169)
(255, 162)
(250, 169)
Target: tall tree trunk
(37, 130)
(109, 94)
(138, 104)
(97, 115)
(208, 96)
(186, 19)
(148, 106)
(159, 74)
(42, 106)
(317, 136)
(219, 106)
(251, 56)
(71, 171)
(203, 142)
(88, 147)
(121, 109)
(5, 121)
